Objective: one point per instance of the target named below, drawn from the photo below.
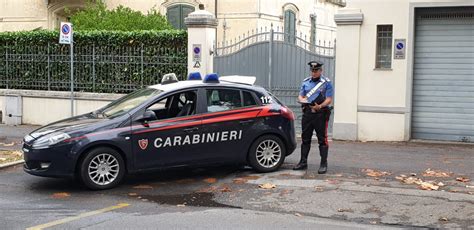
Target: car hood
(69, 125)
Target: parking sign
(65, 33)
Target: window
(249, 100)
(384, 47)
(177, 105)
(223, 99)
(290, 26)
(176, 15)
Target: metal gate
(443, 79)
(278, 60)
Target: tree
(96, 16)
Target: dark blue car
(223, 120)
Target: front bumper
(59, 163)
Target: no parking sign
(400, 45)
(65, 33)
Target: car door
(227, 122)
(170, 139)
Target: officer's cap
(314, 65)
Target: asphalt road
(230, 197)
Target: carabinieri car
(224, 120)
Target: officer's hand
(316, 107)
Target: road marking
(72, 218)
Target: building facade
(311, 18)
(405, 70)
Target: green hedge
(122, 61)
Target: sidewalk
(12, 136)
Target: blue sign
(197, 50)
(66, 29)
(400, 46)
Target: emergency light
(194, 76)
(211, 78)
(169, 78)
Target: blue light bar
(211, 78)
(194, 76)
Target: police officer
(315, 96)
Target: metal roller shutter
(443, 75)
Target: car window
(128, 102)
(249, 100)
(223, 99)
(176, 105)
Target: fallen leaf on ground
(440, 184)
(373, 222)
(208, 189)
(210, 180)
(60, 195)
(239, 181)
(319, 188)
(251, 177)
(412, 174)
(434, 173)
(429, 186)
(470, 193)
(267, 186)
(463, 179)
(181, 205)
(225, 189)
(344, 210)
(469, 186)
(143, 186)
(443, 219)
(338, 175)
(298, 215)
(285, 192)
(375, 173)
(132, 194)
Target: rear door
(231, 113)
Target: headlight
(50, 139)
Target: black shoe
(301, 166)
(323, 168)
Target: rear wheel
(102, 168)
(267, 153)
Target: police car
(224, 120)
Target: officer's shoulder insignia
(306, 79)
(327, 79)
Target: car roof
(197, 83)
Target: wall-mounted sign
(400, 46)
(196, 52)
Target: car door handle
(245, 122)
(190, 130)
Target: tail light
(287, 113)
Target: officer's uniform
(316, 91)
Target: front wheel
(102, 168)
(267, 153)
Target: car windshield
(128, 102)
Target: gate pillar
(201, 26)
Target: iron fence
(105, 69)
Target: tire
(267, 154)
(110, 169)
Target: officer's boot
(303, 164)
(323, 167)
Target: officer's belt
(315, 88)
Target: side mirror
(149, 115)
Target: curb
(6, 165)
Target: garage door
(443, 90)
